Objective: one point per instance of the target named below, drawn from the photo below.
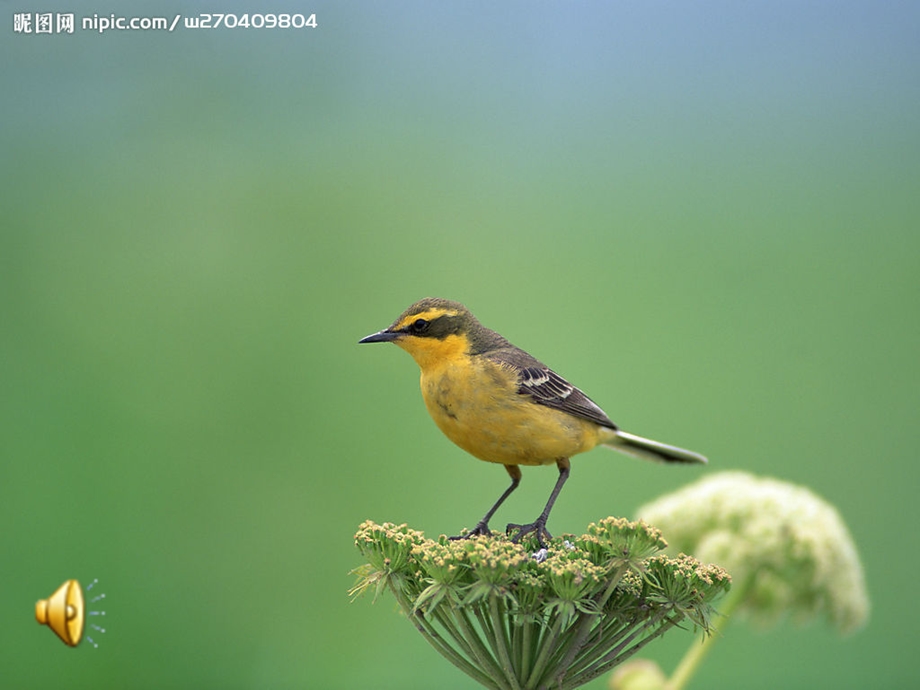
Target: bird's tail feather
(646, 449)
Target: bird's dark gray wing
(545, 387)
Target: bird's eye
(420, 326)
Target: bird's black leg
(482, 527)
(538, 526)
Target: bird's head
(434, 330)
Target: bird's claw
(480, 530)
(536, 528)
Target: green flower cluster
(513, 621)
(787, 549)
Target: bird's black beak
(384, 336)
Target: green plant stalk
(501, 641)
(540, 630)
(485, 625)
(625, 637)
(480, 651)
(523, 642)
(586, 624)
(696, 653)
(499, 652)
(451, 629)
(621, 654)
(547, 645)
(430, 633)
(526, 632)
(517, 650)
(595, 654)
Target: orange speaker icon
(63, 612)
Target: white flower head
(787, 545)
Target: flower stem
(697, 652)
(435, 640)
(480, 651)
(622, 652)
(500, 642)
(586, 624)
(547, 646)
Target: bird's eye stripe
(429, 315)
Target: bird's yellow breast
(475, 402)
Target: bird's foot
(536, 528)
(480, 530)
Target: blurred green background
(705, 215)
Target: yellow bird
(501, 405)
